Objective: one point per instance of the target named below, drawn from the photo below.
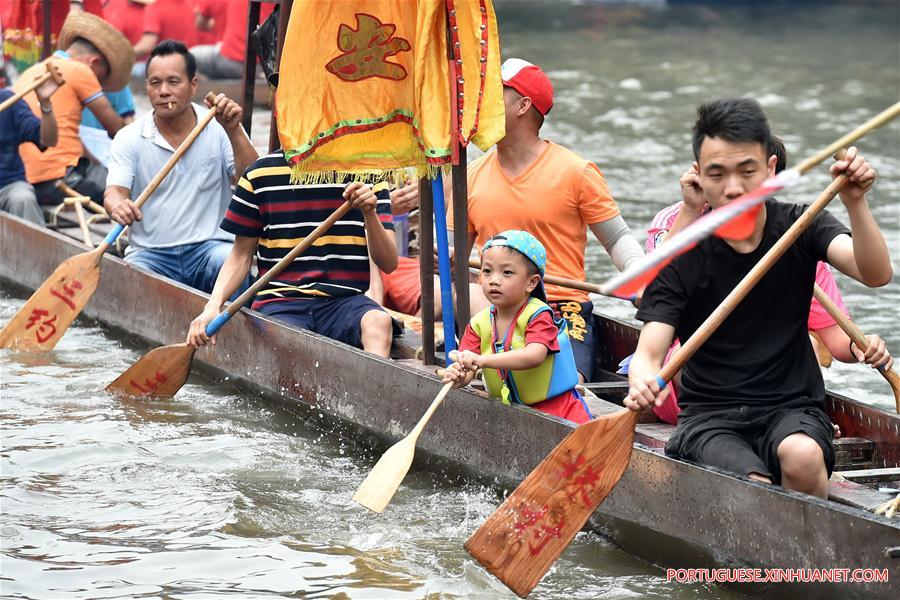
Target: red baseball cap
(529, 80)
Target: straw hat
(116, 49)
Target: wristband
(47, 111)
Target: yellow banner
(367, 87)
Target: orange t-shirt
(68, 103)
(555, 200)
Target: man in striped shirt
(323, 289)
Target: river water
(217, 492)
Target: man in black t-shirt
(752, 396)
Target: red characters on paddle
(46, 329)
(541, 526)
(149, 386)
(366, 50)
(69, 289)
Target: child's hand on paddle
(455, 374)
(196, 336)
(361, 196)
(462, 370)
(467, 359)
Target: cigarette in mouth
(170, 106)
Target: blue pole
(440, 225)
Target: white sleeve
(621, 245)
(121, 160)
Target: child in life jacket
(524, 353)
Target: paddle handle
(52, 73)
(858, 337)
(565, 282)
(117, 230)
(885, 116)
(740, 292)
(417, 430)
(216, 324)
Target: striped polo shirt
(266, 205)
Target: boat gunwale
(626, 508)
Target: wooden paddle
(46, 316)
(858, 337)
(162, 371)
(382, 482)
(52, 72)
(520, 541)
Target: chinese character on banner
(47, 329)
(366, 50)
(379, 89)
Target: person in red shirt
(127, 16)
(163, 20)
(210, 17)
(225, 60)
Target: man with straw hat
(94, 58)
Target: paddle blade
(717, 222)
(386, 476)
(43, 320)
(160, 373)
(522, 539)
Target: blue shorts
(579, 318)
(337, 318)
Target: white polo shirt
(189, 204)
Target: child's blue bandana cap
(523, 242)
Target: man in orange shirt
(549, 191)
(96, 57)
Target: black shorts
(579, 318)
(337, 318)
(746, 440)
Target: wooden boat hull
(669, 512)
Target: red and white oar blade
(159, 374)
(46, 316)
(740, 227)
(714, 222)
(522, 539)
(629, 289)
